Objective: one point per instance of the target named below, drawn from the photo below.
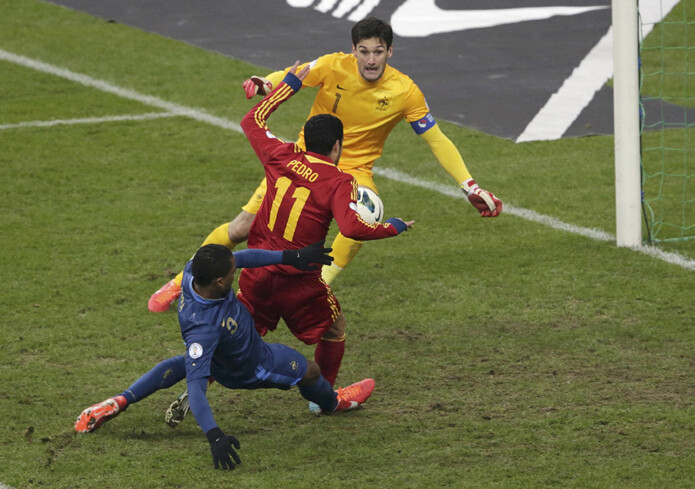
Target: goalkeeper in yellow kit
(370, 98)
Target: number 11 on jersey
(300, 196)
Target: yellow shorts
(363, 177)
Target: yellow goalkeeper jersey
(368, 110)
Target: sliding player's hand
(221, 448)
(257, 85)
(485, 202)
(303, 257)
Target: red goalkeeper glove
(487, 204)
(257, 85)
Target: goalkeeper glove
(257, 85)
(302, 257)
(221, 448)
(487, 204)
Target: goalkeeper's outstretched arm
(449, 157)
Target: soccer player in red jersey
(306, 191)
(370, 97)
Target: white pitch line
(197, 114)
(392, 174)
(88, 120)
(527, 214)
(592, 233)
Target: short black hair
(321, 132)
(372, 27)
(211, 262)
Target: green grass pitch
(507, 353)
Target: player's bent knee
(337, 330)
(313, 372)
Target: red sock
(329, 355)
(121, 401)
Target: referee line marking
(396, 175)
(88, 120)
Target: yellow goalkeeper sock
(220, 235)
(344, 250)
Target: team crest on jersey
(195, 351)
(294, 365)
(383, 104)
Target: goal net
(667, 115)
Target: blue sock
(322, 394)
(162, 376)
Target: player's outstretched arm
(302, 258)
(221, 446)
(254, 122)
(400, 224)
(258, 85)
(352, 225)
(310, 257)
(449, 157)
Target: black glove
(301, 258)
(221, 448)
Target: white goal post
(628, 193)
(632, 21)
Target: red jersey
(305, 190)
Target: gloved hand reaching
(257, 85)
(487, 204)
(302, 257)
(221, 448)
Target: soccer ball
(369, 205)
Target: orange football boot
(353, 396)
(164, 297)
(94, 416)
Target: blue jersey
(222, 342)
(220, 336)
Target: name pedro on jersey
(302, 170)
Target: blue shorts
(286, 367)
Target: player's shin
(220, 235)
(329, 355)
(344, 250)
(162, 376)
(321, 393)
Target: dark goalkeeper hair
(372, 27)
(321, 132)
(211, 262)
